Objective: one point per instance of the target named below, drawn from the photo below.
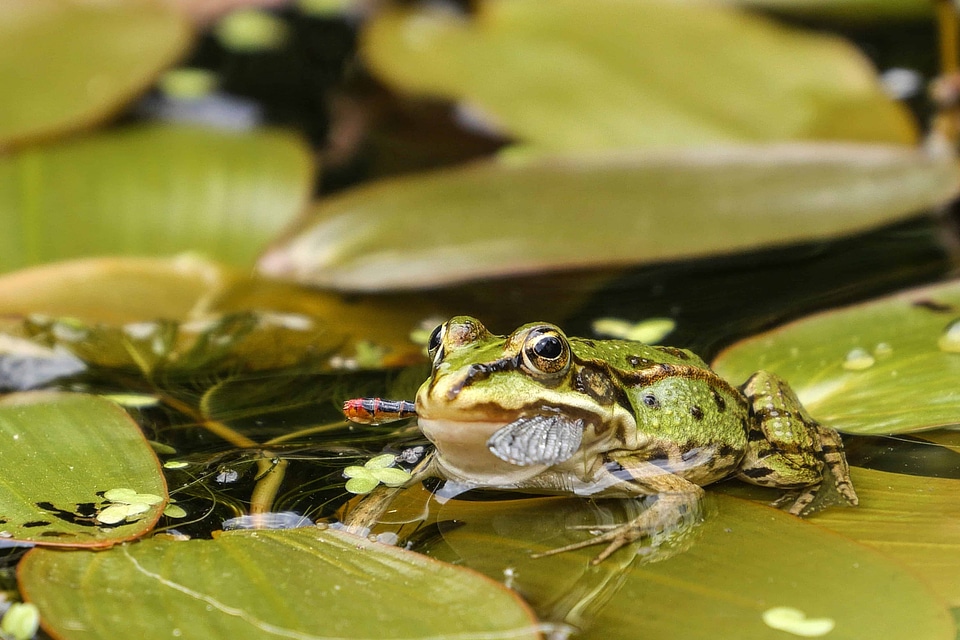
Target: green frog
(541, 412)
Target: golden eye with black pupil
(435, 341)
(546, 351)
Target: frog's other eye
(435, 343)
(546, 351)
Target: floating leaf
(904, 379)
(492, 219)
(174, 511)
(912, 519)
(300, 583)
(21, 621)
(151, 190)
(105, 309)
(646, 74)
(376, 470)
(59, 453)
(742, 561)
(66, 65)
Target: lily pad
(742, 561)
(67, 65)
(298, 583)
(495, 219)
(873, 368)
(145, 313)
(151, 190)
(911, 519)
(60, 454)
(647, 74)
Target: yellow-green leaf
(60, 453)
(151, 190)
(298, 583)
(742, 561)
(66, 65)
(569, 75)
(495, 219)
(912, 519)
(903, 379)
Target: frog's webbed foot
(661, 522)
(676, 507)
(788, 449)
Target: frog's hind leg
(833, 457)
(788, 449)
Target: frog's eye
(435, 341)
(546, 351)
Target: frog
(537, 411)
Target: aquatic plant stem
(945, 89)
(271, 469)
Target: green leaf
(60, 452)
(21, 621)
(302, 583)
(911, 519)
(361, 484)
(623, 75)
(496, 219)
(67, 65)
(742, 561)
(117, 301)
(151, 190)
(381, 462)
(391, 477)
(910, 385)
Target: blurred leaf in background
(618, 74)
(68, 65)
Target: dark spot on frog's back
(696, 412)
(756, 472)
(718, 400)
(588, 342)
(727, 451)
(679, 354)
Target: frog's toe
(797, 502)
(615, 539)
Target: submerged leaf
(495, 219)
(298, 583)
(65, 65)
(59, 453)
(646, 74)
(904, 379)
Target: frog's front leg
(788, 449)
(676, 500)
